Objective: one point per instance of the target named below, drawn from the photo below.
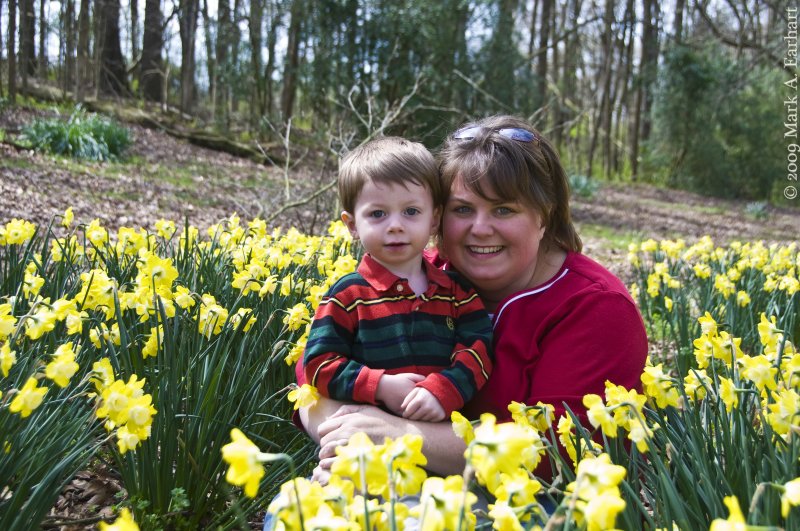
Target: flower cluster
(124, 405)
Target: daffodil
(7, 321)
(28, 398)
(244, 469)
(790, 497)
(359, 460)
(443, 504)
(599, 416)
(463, 427)
(696, 384)
(7, 358)
(124, 522)
(304, 396)
(728, 394)
(404, 459)
(67, 217)
(297, 349)
(18, 231)
(63, 365)
(165, 228)
(296, 316)
(660, 386)
(759, 370)
(735, 521)
(502, 448)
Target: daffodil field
(142, 349)
(167, 355)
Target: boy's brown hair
(392, 160)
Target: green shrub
(90, 137)
(583, 186)
(714, 125)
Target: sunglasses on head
(514, 133)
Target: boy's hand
(420, 404)
(394, 388)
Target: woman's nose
(481, 225)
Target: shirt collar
(382, 279)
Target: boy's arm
(471, 361)
(327, 362)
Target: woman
(563, 324)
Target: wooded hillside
(684, 93)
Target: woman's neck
(547, 266)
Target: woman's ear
(350, 222)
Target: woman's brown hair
(496, 162)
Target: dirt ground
(164, 177)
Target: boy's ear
(350, 222)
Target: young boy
(399, 332)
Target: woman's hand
(350, 419)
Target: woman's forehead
(483, 188)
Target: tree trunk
(211, 64)
(269, 68)
(188, 30)
(679, 7)
(134, 5)
(69, 44)
(1, 45)
(540, 81)
(234, 43)
(222, 54)
(42, 66)
(602, 109)
(28, 40)
(532, 39)
(649, 62)
(570, 77)
(12, 53)
(151, 71)
(82, 73)
(292, 61)
(113, 79)
(255, 21)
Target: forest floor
(164, 177)
(168, 178)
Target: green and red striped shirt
(371, 322)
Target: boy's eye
(411, 211)
(377, 214)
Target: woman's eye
(377, 214)
(462, 209)
(504, 211)
(411, 211)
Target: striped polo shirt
(371, 322)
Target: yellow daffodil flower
(303, 396)
(124, 522)
(243, 457)
(8, 358)
(63, 365)
(790, 497)
(28, 398)
(735, 521)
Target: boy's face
(394, 223)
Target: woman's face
(493, 243)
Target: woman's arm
(332, 423)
